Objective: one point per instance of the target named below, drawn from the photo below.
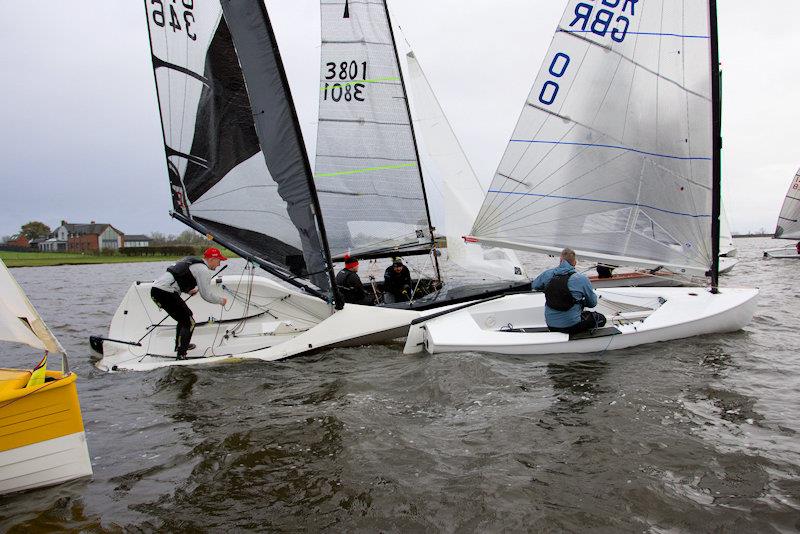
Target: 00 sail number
(173, 20)
(345, 89)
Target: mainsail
(789, 219)
(368, 174)
(613, 152)
(235, 155)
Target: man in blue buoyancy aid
(567, 292)
(188, 275)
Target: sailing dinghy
(239, 173)
(616, 155)
(42, 440)
(788, 223)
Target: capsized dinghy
(42, 441)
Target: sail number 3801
(346, 88)
(163, 17)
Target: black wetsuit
(352, 289)
(398, 285)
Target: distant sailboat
(617, 155)
(42, 440)
(788, 226)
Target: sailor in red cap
(189, 275)
(350, 285)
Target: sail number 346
(344, 89)
(163, 17)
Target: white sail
(19, 321)
(789, 220)
(367, 175)
(463, 192)
(612, 154)
(726, 245)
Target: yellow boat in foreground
(42, 441)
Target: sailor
(566, 293)
(188, 275)
(350, 285)
(798, 247)
(397, 282)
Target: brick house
(88, 237)
(19, 240)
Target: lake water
(697, 435)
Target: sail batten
(612, 154)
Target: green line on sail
(345, 84)
(370, 169)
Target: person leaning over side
(188, 275)
(350, 285)
(396, 282)
(566, 293)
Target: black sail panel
(235, 156)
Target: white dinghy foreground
(617, 155)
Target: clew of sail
(367, 173)
(789, 219)
(235, 156)
(612, 154)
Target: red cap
(213, 253)
(350, 262)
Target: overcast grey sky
(80, 138)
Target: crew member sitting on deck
(566, 293)
(188, 275)
(350, 285)
(798, 247)
(396, 282)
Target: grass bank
(48, 259)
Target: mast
(338, 301)
(716, 166)
(414, 139)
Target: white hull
(279, 323)
(45, 463)
(641, 316)
(782, 253)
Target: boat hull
(654, 315)
(783, 253)
(42, 439)
(278, 323)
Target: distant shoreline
(54, 259)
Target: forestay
(612, 154)
(367, 169)
(235, 157)
(789, 219)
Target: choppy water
(698, 435)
